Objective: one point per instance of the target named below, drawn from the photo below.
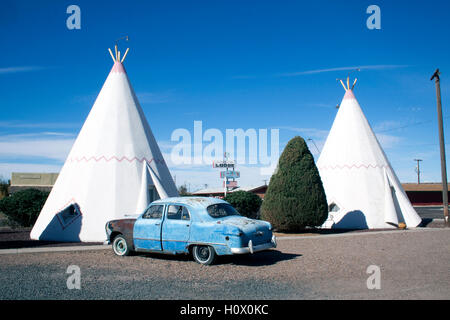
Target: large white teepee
(362, 189)
(115, 168)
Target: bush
(4, 185)
(295, 198)
(183, 191)
(23, 207)
(246, 203)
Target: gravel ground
(414, 265)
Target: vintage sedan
(201, 226)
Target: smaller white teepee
(362, 189)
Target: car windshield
(221, 210)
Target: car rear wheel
(204, 254)
(120, 246)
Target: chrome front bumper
(251, 248)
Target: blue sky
(231, 64)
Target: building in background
(419, 194)
(219, 192)
(26, 180)
(424, 194)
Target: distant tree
(4, 185)
(183, 191)
(246, 203)
(295, 198)
(23, 207)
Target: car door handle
(157, 224)
(187, 225)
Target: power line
(409, 125)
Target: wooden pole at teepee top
(118, 52)
(112, 56)
(126, 52)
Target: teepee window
(68, 215)
(333, 207)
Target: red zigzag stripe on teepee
(353, 166)
(97, 159)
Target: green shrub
(23, 207)
(183, 191)
(4, 185)
(246, 203)
(295, 198)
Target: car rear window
(220, 210)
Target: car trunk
(255, 230)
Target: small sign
(230, 184)
(230, 174)
(223, 164)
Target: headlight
(108, 227)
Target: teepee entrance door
(398, 210)
(153, 194)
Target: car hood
(245, 224)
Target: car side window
(175, 212)
(153, 212)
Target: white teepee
(361, 187)
(115, 168)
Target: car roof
(198, 202)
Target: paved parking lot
(430, 212)
(413, 264)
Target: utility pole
(442, 146)
(418, 170)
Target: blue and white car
(201, 226)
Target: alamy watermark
(374, 20)
(74, 280)
(74, 20)
(251, 146)
(374, 280)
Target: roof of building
(221, 190)
(422, 186)
(21, 179)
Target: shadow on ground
(425, 222)
(264, 258)
(313, 231)
(20, 238)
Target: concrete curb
(352, 234)
(299, 237)
(54, 249)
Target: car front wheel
(204, 254)
(120, 246)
